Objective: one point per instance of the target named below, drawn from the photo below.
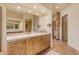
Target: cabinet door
(42, 43)
(45, 42)
(36, 45)
(12, 48)
(21, 47)
(49, 40)
(29, 47)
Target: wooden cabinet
(21, 47)
(12, 48)
(45, 42)
(36, 45)
(16, 47)
(33, 46)
(48, 41)
(29, 46)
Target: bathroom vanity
(24, 36)
(30, 44)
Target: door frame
(66, 15)
(53, 29)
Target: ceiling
(38, 9)
(56, 7)
(31, 8)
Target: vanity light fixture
(38, 26)
(49, 25)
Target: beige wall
(73, 25)
(35, 23)
(43, 21)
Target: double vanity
(25, 34)
(28, 44)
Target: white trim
(4, 42)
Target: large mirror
(21, 22)
(0, 27)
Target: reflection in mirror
(13, 25)
(16, 26)
(0, 27)
(28, 25)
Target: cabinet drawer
(12, 50)
(11, 44)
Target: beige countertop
(23, 36)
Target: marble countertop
(23, 36)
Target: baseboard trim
(76, 52)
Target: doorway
(64, 28)
(54, 29)
(28, 25)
